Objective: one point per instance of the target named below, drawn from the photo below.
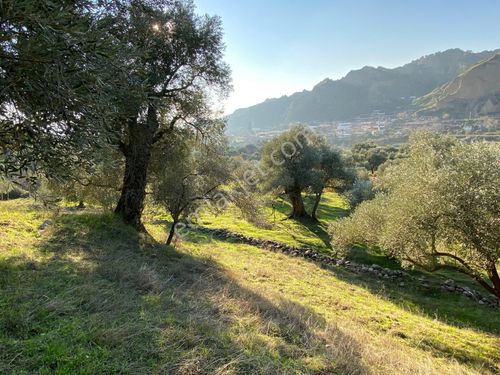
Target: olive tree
(299, 160)
(368, 155)
(78, 75)
(99, 184)
(173, 63)
(361, 189)
(330, 172)
(56, 83)
(288, 161)
(187, 173)
(437, 209)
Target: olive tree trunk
(316, 205)
(495, 280)
(171, 233)
(137, 154)
(298, 208)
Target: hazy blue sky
(277, 47)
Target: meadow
(89, 295)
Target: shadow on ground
(434, 303)
(104, 299)
(317, 228)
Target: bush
(439, 209)
(362, 190)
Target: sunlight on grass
(304, 233)
(89, 295)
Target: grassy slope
(88, 295)
(307, 233)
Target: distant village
(389, 128)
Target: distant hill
(476, 91)
(359, 92)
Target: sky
(278, 47)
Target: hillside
(88, 295)
(358, 93)
(476, 91)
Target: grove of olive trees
(436, 209)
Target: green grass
(310, 233)
(90, 296)
(303, 233)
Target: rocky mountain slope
(359, 92)
(476, 91)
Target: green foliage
(192, 172)
(368, 155)
(247, 152)
(361, 190)
(56, 75)
(297, 160)
(289, 159)
(438, 209)
(11, 190)
(99, 184)
(173, 58)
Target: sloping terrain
(358, 93)
(88, 295)
(476, 91)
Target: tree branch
(160, 133)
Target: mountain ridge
(359, 92)
(475, 91)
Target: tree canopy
(80, 75)
(192, 173)
(297, 160)
(174, 63)
(437, 209)
(56, 83)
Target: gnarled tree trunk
(316, 205)
(137, 156)
(298, 209)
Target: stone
(160, 222)
(45, 224)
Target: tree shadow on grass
(434, 303)
(102, 298)
(325, 212)
(317, 228)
